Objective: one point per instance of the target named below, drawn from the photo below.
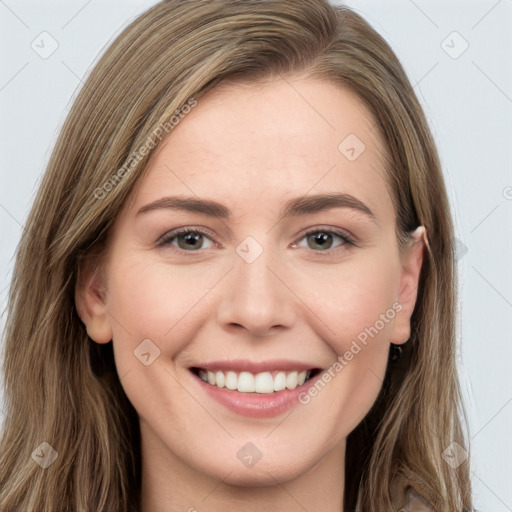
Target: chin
(263, 473)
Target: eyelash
(169, 237)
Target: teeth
(264, 382)
(246, 382)
(231, 380)
(280, 381)
(291, 380)
(219, 379)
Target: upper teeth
(263, 382)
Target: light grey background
(467, 96)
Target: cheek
(152, 298)
(155, 301)
(355, 312)
(154, 310)
(353, 299)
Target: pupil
(321, 239)
(190, 239)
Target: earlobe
(412, 261)
(90, 305)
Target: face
(258, 250)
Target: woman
(236, 287)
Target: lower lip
(257, 405)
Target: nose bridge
(256, 297)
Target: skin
(252, 147)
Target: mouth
(266, 382)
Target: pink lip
(239, 365)
(257, 405)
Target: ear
(412, 260)
(90, 294)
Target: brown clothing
(413, 502)
(408, 497)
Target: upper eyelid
(186, 229)
(306, 232)
(336, 231)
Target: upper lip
(240, 365)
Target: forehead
(257, 144)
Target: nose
(257, 297)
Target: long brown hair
(61, 388)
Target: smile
(266, 382)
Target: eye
(192, 240)
(187, 239)
(323, 240)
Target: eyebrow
(294, 207)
